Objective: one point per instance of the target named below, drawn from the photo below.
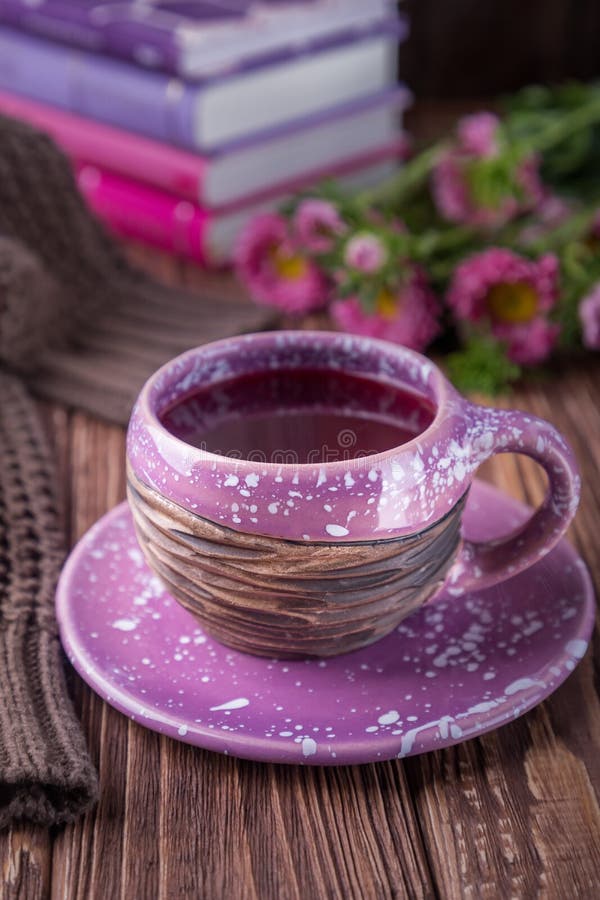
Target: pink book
(278, 163)
(135, 210)
(140, 212)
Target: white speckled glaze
(387, 495)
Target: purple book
(208, 116)
(193, 38)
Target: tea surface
(299, 416)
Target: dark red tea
(299, 416)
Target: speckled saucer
(457, 668)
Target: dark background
(470, 49)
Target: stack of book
(182, 118)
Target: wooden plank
(203, 845)
(25, 863)
(238, 829)
(88, 856)
(339, 832)
(141, 836)
(471, 49)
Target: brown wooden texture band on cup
(287, 599)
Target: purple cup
(317, 559)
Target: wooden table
(514, 814)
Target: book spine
(116, 93)
(82, 25)
(84, 140)
(142, 213)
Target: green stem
(564, 127)
(432, 242)
(575, 227)
(407, 180)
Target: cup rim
(440, 388)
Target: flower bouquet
(484, 247)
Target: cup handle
(482, 564)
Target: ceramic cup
(319, 558)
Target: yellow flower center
(513, 303)
(386, 304)
(288, 266)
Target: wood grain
(471, 49)
(513, 814)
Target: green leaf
(482, 366)
(580, 273)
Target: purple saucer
(457, 668)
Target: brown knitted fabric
(84, 328)
(31, 307)
(45, 772)
(95, 327)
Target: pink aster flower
(365, 252)
(554, 209)
(589, 316)
(317, 222)
(408, 317)
(478, 134)
(513, 294)
(531, 342)
(452, 187)
(273, 268)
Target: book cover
(139, 212)
(210, 116)
(193, 38)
